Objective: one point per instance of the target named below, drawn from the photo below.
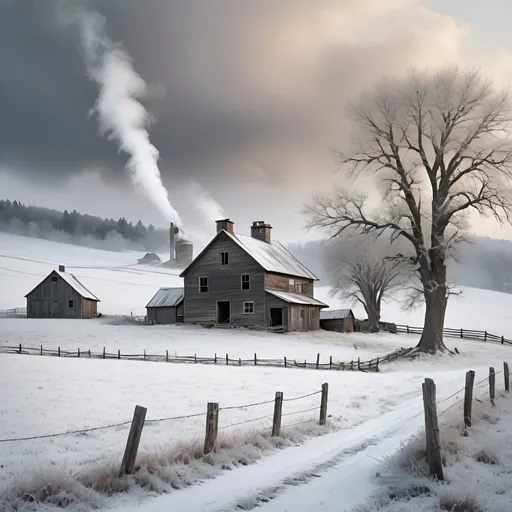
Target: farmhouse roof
(296, 298)
(272, 256)
(166, 297)
(73, 282)
(335, 314)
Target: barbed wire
(299, 412)
(301, 397)
(246, 405)
(247, 421)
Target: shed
(61, 295)
(341, 320)
(166, 306)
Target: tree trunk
(432, 338)
(373, 318)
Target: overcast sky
(248, 96)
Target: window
(54, 279)
(71, 304)
(224, 258)
(203, 285)
(248, 308)
(299, 287)
(246, 282)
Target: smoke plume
(204, 203)
(120, 114)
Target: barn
(341, 320)
(61, 295)
(166, 307)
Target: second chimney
(62, 268)
(261, 231)
(226, 224)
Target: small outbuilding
(166, 307)
(341, 320)
(61, 295)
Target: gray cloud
(246, 83)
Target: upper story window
(54, 279)
(246, 281)
(203, 284)
(224, 258)
(299, 287)
(248, 308)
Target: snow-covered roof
(296, 298)
(166, 297)
(335, 314)
(74, 283)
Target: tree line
(80, 229)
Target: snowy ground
(371, 413)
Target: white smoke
(204, 202)
(121, 116)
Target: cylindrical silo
(184, 252)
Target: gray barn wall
(293, 320)
(162, 315)
(224, 283)
(50, 300)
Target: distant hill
(80, 229)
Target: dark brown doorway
(223, 312)
(276, 317)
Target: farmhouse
(341, 320)
(251, 281)
(166, 307)
(61, 295)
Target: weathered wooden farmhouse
(341, 320)
(251, 281)
(166, 307)
(61, 295)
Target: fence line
(432, 435)
(469, 334)
(371, 365)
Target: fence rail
(13, 312)
(468, 334)
(371, 365)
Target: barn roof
(74, 283)
(166, 297)
(335, 314)
(296, 298)
(272, 256)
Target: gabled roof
(296, 298)
(166, 297)
(273, 256)
(335, 314)
(73, 282)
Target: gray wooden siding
(163, 315)
(50, 300)
(293, 320)
(287, 283)
(224, 283)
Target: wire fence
(241, 407)
(371, 365)
(468, 334)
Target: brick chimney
(62, 268)
(226, 224)
(261, 231)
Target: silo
(184, 252)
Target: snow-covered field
(371, 414)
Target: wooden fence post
(506, 375)
(195, 358)
(132, 445)
(503, 340)
(468, 397)
(317, 360)
(78, 351)
(103, 352)
(144, 354)
(58, 351)
(358, 364)
(215, 358)
(227, 359)
(212, 427)
(330, 362)
(461, 333)
(285, 361)
(89, 352)
(432, 429)
(239, 361)
(377, 365)
(492, 385)
(19, 349)
(278, 411)
(119, 354)
(166, 356)
(41, 349)
(255, 359)
(485, 335)
(323, 404)
(407, 327)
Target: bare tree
(365, 277)
(439, 148)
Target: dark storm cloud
(231, 94)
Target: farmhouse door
(301, 319)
